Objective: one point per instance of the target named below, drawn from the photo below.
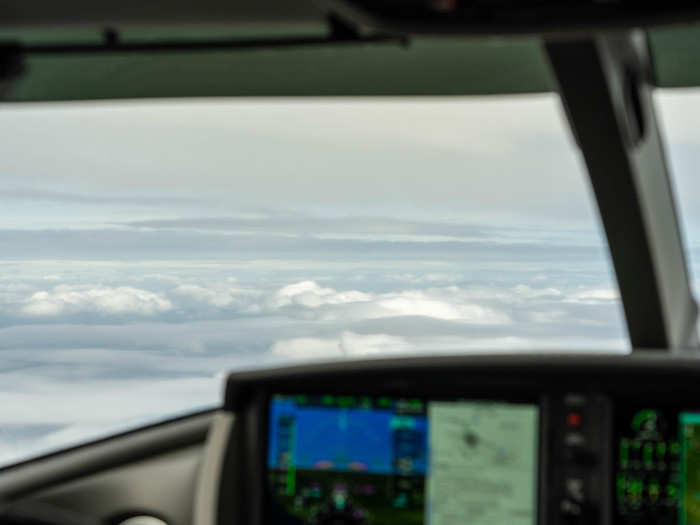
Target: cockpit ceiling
(423, 67)
(87, 13)
(415, 67)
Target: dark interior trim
(29, 476)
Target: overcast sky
(148, 247)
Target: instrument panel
(485, 441)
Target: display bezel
(250, 498)
(268, 497)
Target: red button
(573, 419)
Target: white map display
(483, 464)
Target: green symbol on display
(401, 500)
(661, 450)
(346, 401)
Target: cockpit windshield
(147, 247)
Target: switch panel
(578, 451)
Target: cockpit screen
(690, 468)
(658, 467)
(384, 461)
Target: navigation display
(690, 467)
(658, 467)
(483, 457)
(380, 460)
(648, 467)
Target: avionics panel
(616, 441)
(385, 460)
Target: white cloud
(13, 293)
(524, 290)
(307, 348)
(439, 304)
(347, 344)
(72, 299)
(594, 296)
(450, 304)
(310, 295)
(220, 295)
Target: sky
(147, 248)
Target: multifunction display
(380, 460)
(690, 468)
(658, 467)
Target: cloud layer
(308, 300)
(101, 300)
(149, 328)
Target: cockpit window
(679, 112)
(148, 247)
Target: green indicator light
(384, 402)
(672, 491)
(302, 400)
(654, 490)
(365, 402)
(675, 448)
(621, 484)
(648, 452)
(624, 450)
(661, 450)
(416, 403)
(346, 401)
(327, 400)
(636, 445)
(635, 487)
(645, 416)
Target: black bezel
(529, 401)
(255, 418)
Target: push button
(573, 419)
(575, 489)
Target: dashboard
(519, 440)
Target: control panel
(482, 440)
(578, 444)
